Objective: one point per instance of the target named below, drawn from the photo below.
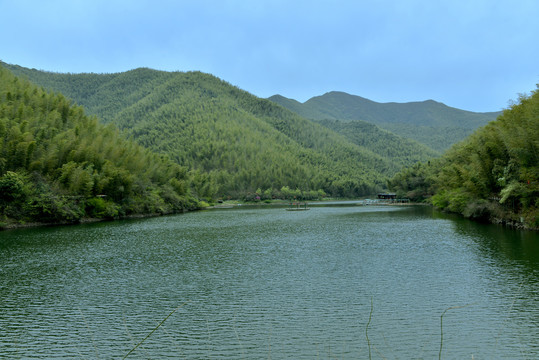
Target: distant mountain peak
(426, 121)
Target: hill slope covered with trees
(59, 165)
(235, 143)
(428, 122)
(492, 175)
(401, 150)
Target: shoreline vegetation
(10, 224)
(59, 165)
(230, 142)
(491, 176)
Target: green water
(267, 283)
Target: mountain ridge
(429, 122)
(234, 142)
(366, 100)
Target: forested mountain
(58, 164)
(492, 175)
(429, 122)
(235, 143)
(385, 143)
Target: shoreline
(14, 225)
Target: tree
(11, 187)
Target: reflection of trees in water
(513, 258)
(505, 244)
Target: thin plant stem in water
(178, 347)
(157, 327)
(367, 329)
(134, 342)
(442, 328)
(91, 334)
(508, 313)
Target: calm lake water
(258, 283)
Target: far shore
(10, 224)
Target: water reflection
(501, 242)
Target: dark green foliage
(57, 164)
(493, 174)
(11, 188)
(428, 122)
(415, 183)
(101, 208)
(232, 142)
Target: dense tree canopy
(215, 141)
(57, 164)
(428, 122)
(233, 142)
(492, 175)
(401, 151)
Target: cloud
(457, 52)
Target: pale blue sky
(473, 55)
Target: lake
(343, 282)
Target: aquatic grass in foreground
(139, 344)
(441, 326)
(157, 327)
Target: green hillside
(429, 122)
(235, 143)
(401, 150)
(492, 175)
(59, 165)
